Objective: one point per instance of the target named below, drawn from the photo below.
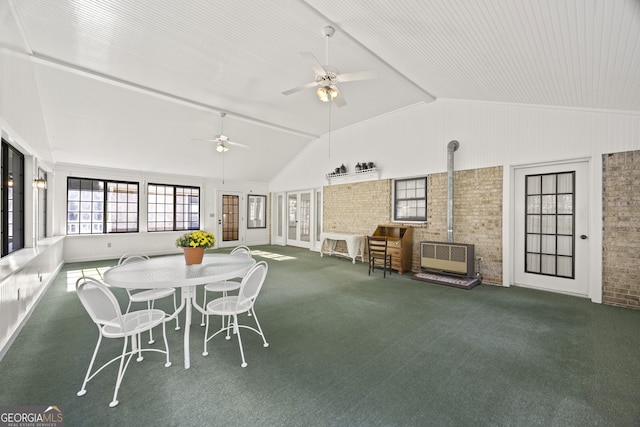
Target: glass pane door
(292, 216)
(551, 227)
(549, 209)
(299, 217)
(230, 217)
(304, 217)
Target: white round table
(172, 272)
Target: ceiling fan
(327, 78)
(222, 141)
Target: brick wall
(621, 229)
(361, 207)
(358, 207)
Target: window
(410, 199)
(42, 205)
(256, 212)
(170, 207)
(96, 206)
(12, 199)
(550, 224)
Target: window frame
(105, 207)
(13, 199)
(42, 209)
(396, 200)
(257, 211)
(534, 231)
(175, 211)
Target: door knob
(583, 237)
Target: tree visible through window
(97, 206)
(410, 199)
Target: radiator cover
(451, 258)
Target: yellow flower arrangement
(196, 239)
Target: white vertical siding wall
(413, 141)
(24, 277)
(500, 134)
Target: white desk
(172, 272)
(355, 244)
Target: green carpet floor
(347, 349)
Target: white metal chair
(147, 295)
(226, 285)
(232, 306)
(105, 311)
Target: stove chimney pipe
(451, 147)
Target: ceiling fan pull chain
(329, 136)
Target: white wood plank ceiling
(145, 77)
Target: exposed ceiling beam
(427, 96)
(52, 62)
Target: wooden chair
(378, 255)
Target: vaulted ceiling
(134, 84)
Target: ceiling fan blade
(340, 101)
(313, 63)
(299, 88)
(358, 75)
(237, 144)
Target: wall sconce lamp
(40, 183)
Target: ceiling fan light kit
(221, 148)
(327, 93)
(326, 77)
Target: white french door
(230, 219)
(551, 214)
(299, 218)
(278, 219)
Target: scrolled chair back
(132, 257)
(241, 251)
(252, 282)
(99, 301)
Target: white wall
(111, 246)
(24, 277)
(413, 141)
(24, 274)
